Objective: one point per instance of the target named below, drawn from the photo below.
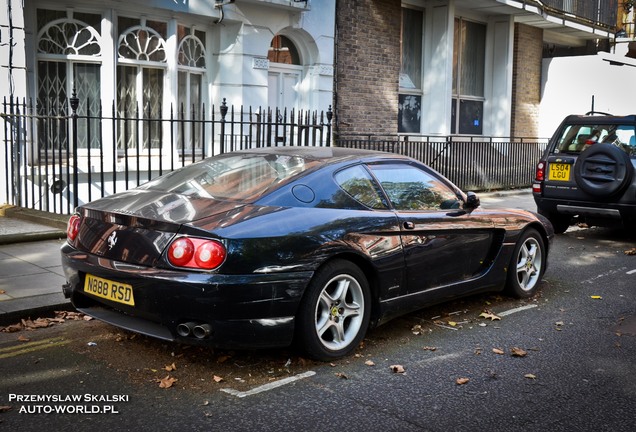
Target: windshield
(233, 177)
(578, 138)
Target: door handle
(409, 225)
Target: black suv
(587, 172)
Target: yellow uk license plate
(559, 172)
(110, 290)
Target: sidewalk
(31, 275)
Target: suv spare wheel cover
(603, 170)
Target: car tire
(559, 222)
(334, 313)
(527, 265)
(603, 170)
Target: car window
(361, 186)
(580, 137)
(238, 177)
(410, 188)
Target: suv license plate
(109, 290)
(559, 172)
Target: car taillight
(196, 253)
(540, 172)
(72, 228)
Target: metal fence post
(74, 100)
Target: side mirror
(472, 201)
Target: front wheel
(527, 265)
(334, 314)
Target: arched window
(68, 58)
(191, 64)
(283, 50)
(141, 66)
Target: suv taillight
(540, 172)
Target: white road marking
(631, 272)
(515, 310)
(267, 387)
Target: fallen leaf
(341, 375)
(166, 382)
(170, 367)
(369, 363)
(462, 381)
(489, 315)
(530, 376)
(3, 292)
(631, 251)
(217, 379)
(429, 348)
(518, 352)
(498, 351)
(596, 297)
(452, 323)
(397, 368)
(23, 338)
(417, 330)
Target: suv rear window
(577, 138)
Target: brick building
(460, 67)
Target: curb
(53, 220)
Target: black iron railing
(472, 163)
(56, 162)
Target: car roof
(598, 117)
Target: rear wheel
(560, 223)
(527, 265)
(334, 314)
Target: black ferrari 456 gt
(263, 248)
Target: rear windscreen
(234, 177)
(579, 137)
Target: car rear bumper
(229, 311)
(599, 210)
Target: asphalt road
(578, 372)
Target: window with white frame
(141, 67)
(68, 60)
(410, 97)
(469, 62)
(191, 64)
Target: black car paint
(275, 245)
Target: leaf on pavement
(489, 315)
(5, 408)
(369, 363)
(166, 382)
(341, 375)
(462, 381)
(3, 292)
(22, 338)
(518, 352)
(631, 251)
(397, 369)
(170, 367)
(596, 297)
(217, 379)
(430, 348)
(498, 351)
(530, 376)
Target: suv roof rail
(597, 112)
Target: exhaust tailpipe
(185, 329)
(202, 331)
